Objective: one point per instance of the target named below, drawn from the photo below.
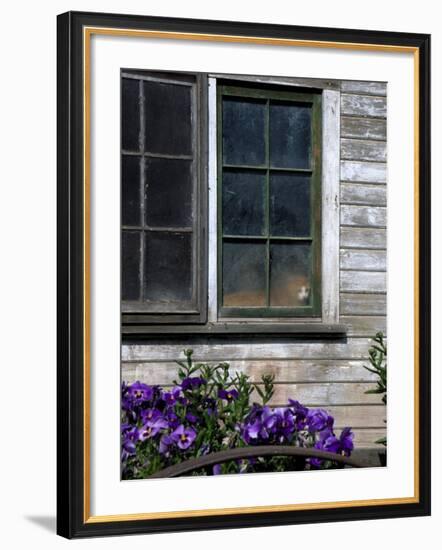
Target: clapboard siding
(365, 438)
(369, 260)
(358, 193)
(364, 172)
(290, 371)
(324, 373)
(363, 237)
(231, 351)
(363, 128)
(363, 149)
(363, 281)
(363, 304)
(363, 105)
(366, 88)
(366, 216)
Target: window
(161, 197)
(269, 223)
(229, 199)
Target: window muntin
(269, 204)
(160, 168)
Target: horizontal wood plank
(362, 149)
(363, 105)
(361, 87)
(366, 216)
(358, 193)
(360, 237)
(359, 416)
(363, 172)
(363, 281)
(363, 260)
(301, 370)
(363, 304)
(363, 128)
(322, 393)
(355, 348)
(364, 325)
(366, 438)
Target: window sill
(238, 329)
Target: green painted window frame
(268, 94)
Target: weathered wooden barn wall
(322, 373)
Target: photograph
(253, 273)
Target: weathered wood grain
(358, 416)
(363, 260)
(365, 216)
(364, 325)
(361, 87)
(322, 393)
(363, 304)
(363, 281)
(356, 349)
(363, 172)
(364, 128)
(366, 438)
(363, 149)
(363, 105)
(330, 205)
(361, 237)
(358, 193)
(301, 370)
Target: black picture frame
(72, 391)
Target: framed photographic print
(243, 232)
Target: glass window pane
(167, 267)
(130, 115)
(290, 274)
(290, 135)
(167, 109)
(289, 205)
(168, 192)
(243, 202)
(130, 193)
(243, 131)
(244, 274)
(130, 258)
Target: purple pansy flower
(318, 420)
(131, 436)
(285, 423)
(300, 413)
(259, 425)
(152, 427)
(216, 469)
(170, 397)
(228, 395)
(139, 392)
(346, 441)
(183, 437)
(191, 383)
(165, 442)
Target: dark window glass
(130, 265)
(290, 279)
(168, 193)
(130, 190)
(289, 204)
(168, 126)
(290, 135)
(244, 274)
(167, 267)
(243, 131)
(243, 202)
(130, 114)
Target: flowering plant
(207, 411)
